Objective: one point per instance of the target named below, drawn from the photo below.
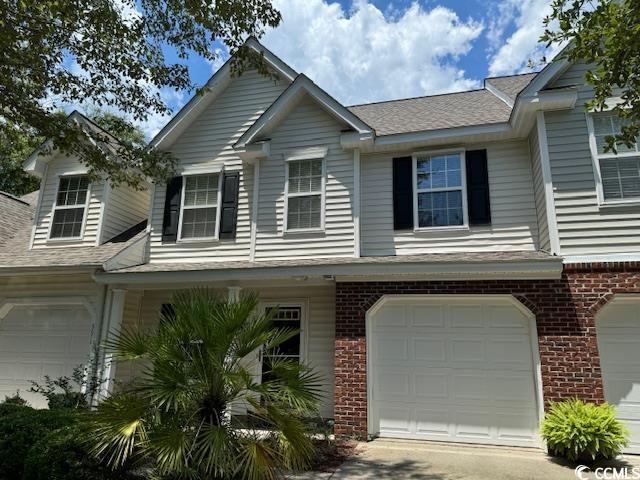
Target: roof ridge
(417, 97)
(511, 76)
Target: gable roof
(278, 110)
(34, 162)
(436, 112)
(214, 87)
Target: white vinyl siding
(584, 226)
(124, 208)
(59, 166)
(208, 142)
(538, 189)
(306, 127)
(514, 224)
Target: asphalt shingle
(512, 85)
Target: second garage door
(39, 341)
(452, 368)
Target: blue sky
(371, 50)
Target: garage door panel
(427, 316)
(468, 374)
(467, 349)
(466, 317)
(434, 385)
(429, 349)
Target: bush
(63, 455)
(583, 431)
(20, 430)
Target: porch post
(113, 316)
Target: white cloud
(523, 44)
(363, 55)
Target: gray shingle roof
(430, 258)
(511, 85)
(476, 107)
(437, 112)
(16, 217)
(15, 214)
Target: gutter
(363, 272)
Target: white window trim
(55, 207)
(303, 304)
(322, 193)
(595, 159)
(463, 187)
(185, 175)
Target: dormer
(72, 210)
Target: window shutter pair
(478, 203)
(228, 212)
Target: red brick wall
(564, 309)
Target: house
(453, 261)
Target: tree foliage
(605, 33)
(16, 144)
(112, 53)
(200, 364)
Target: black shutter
(229, 212)
(402, 193)
(478, 203)
(172, 210)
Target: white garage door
(618, 330)
(452, 368)
(38, 341)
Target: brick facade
(565, 311)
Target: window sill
(441, 229)
(620, 204)
(303, 231)
(198, 240)
(64, 240)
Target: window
(70, 207)
(619, 172)
(285, 317)
(304, 195)
(440, 191)
(199, 212)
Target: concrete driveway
(395, 459)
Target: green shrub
(63, 455)
(583, 431)
(20, 430)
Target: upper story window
(619, 173)
(440, 192)
(70, 207)
(199, 210)
(304, 195)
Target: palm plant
(176, 418)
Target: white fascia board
(349, 140)
(524, 270)
(279, 109)
(215, 85)
(400, 140)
